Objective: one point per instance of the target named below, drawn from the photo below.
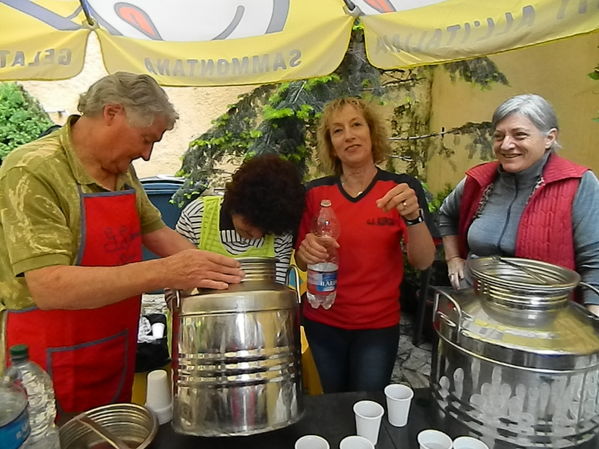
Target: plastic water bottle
(40, 394)
(322, 277)
(14, 417)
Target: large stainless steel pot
(517, 362)
(236, 356)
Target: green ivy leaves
(22, 119)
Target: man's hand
(193, 268)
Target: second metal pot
(517, 361)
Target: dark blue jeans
(352, 360)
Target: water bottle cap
(19, 352)
(325, 203)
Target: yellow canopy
(179, 42)
(232, 42)
(41, 42)
(419, 32)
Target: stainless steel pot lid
(522, 276)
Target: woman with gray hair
(530, 203)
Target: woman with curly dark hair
(257, 216)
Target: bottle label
(14, 434)
(322, 281)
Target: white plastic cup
(158, 395)
(311, 442)
(368, 419)
(158, 330)
(434, 439)
(468, 443)
(356, 442)
(399, 398)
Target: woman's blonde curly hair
(378, 133)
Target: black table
(329, 415)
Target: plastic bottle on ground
(322, 277)
(40, 394)
(14, 417)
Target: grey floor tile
(151, 303)
(413, 365)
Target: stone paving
(153, 304)
(413, 364)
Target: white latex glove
(455, 271)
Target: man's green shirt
(40, 211)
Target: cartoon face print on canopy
(190, 20)
(369, 7)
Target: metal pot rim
(73, 431)
(523, 275)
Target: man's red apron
(90, 353)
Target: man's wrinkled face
(129, 142)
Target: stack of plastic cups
(159, 397)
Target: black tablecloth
(329, 415)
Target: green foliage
(412, 140)
(22, 118)
(275, 118)
(480, 71)
(282, 118)
(231, 135)
(479, 143)
(410, 118)
(435, 201)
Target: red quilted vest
(545, 230)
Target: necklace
(345, 188)
(361, 188)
